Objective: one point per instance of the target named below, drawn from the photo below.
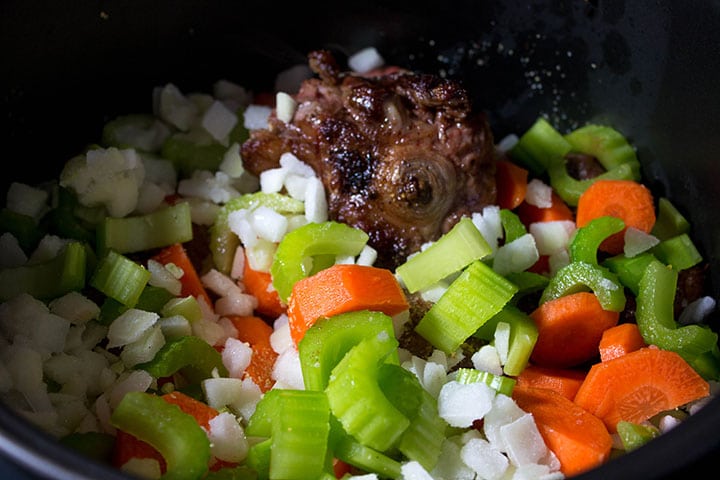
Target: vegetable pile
(168, 313)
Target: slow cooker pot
(649, 68)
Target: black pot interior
(648, 68)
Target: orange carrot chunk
(557, 211)
(619, 340)
(565, 381)
(627, 200)
(638, 385)
(339, 289)
(578, 438)
(259, 285)
(511, 181)
(256, 332)
(569, 329)
(190, 281)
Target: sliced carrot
(569, 330)
(512, 181)
(128, 446)
(559, 210)
(625, 199)
(565, 381)
(343, 288)
(191, 284)
(259, 285)
(256, 332)
(638, 385)
(578, 438)
(619, 340)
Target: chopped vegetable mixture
(173, 315)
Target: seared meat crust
(401, 155)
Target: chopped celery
(290, 262)
(223, 242)
(120, 278)
(164, 227)
(192, 356)
(523, 336)
(499, 383)
(152, 299)
(581, 276)
(352, 452)
(188, 307)
(697, 344)
(629, 270)
(191, 151)
(670, 222)
(543, 144)
(422, 440)
(527, 283)
(258, 458)
(679, 252)
(356, 399)
(300, 430)
(47, 280)
(609, 146)
(470, 301)
(260, 423)
(23, 227)
(586, 240)
(329, 339)
(452, 252)
(183, 444)
(63, 219)
(243, 472)
(512, 225)
(635, 435)
(570, 189)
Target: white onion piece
(255, 117)
(285, 107)
(539, 194)
(638, 241)
(365, 60)
(219, 121)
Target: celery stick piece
(144, 232)
(452, 252)
(120, 278)
(470, 301)
(670, 222)
(499, 383)
(679, 252)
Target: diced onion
(365, 60)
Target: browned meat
(401, 155)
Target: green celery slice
(499, 383)
(191, 151)
(523, 336)
(422, 440)
(679, 252)
(176, 435)
(512, 225)
(47, 280)
(543, 144)
(300, 432)
(329, 339)
(258, 458)
(670, 222)
(23, 227)
(633, 435)
(192, 355)
(352, 452)
(260, 423)
(120, 278)
(629, 270)
(62, 219)
(586, 240)
(152, 299)
(243, 472)
(654, 314)
(470, 301)
(527, 283)
(223, 242)
(289, 264)
(188, 307)
(356, 399)
(581, 276)
(570, 189)
(164, 227)
(452, 252)
(609, 146)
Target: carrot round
(256, 332)
(569, 329)
(628, 200)
(511, 180)
(565, 381)
(339, 289)
(619, 340)
(559, 210)
(639, 385)
(259, 285)
(190, 281)
(578, 438)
